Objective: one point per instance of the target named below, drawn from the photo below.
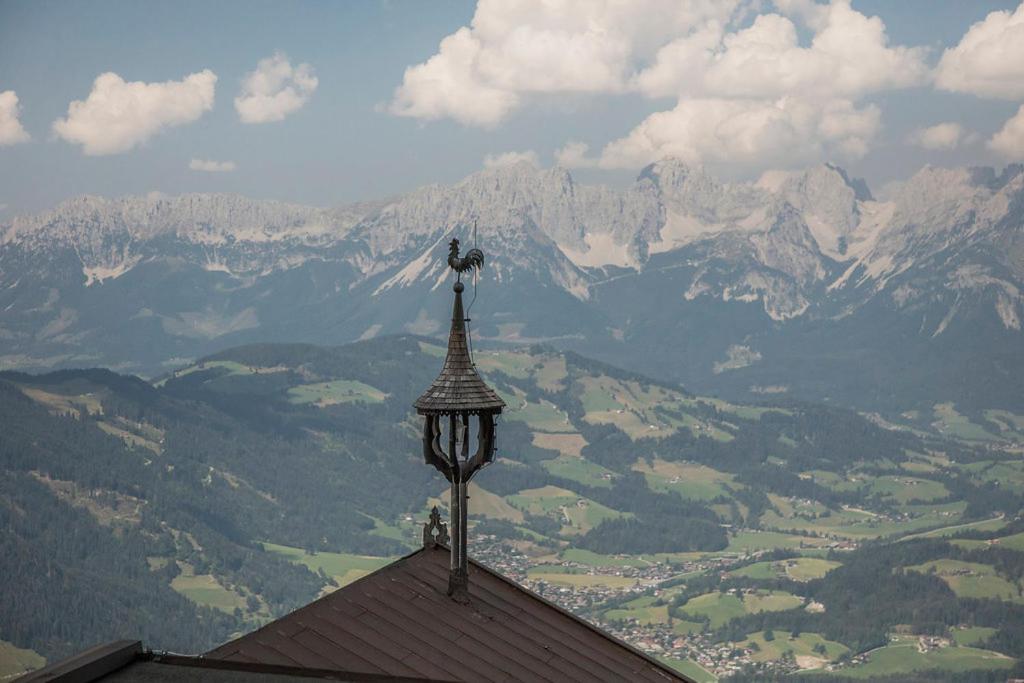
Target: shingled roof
(458, 388)
(399, 621)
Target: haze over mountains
(800, 284)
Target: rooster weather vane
(474, 258)
(458, 394)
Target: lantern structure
(456, 400)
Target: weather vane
(474, 258)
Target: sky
(330, 103)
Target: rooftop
(399, 621)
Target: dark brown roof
(458, 387)
(399, 620)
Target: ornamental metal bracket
(435, 532)
(453, 467)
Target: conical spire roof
(458, 388)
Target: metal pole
(456, 506)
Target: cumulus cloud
(940, 136)
(11, 130)
(119, 115)
(511, 158)
(574, 155)
(1009, 142)
(757, 98)
(210, 166)
(737, 86)
(749, 133)
(275, 90)
(989, 60)
(513, 50)
(848, 57)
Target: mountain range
(801, 283)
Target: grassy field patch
(542, 416)
(1011, 425)
(342, 567)
(551, 373)
(1013, 542)
(641, 411)
(971, 579)
(597, 560)
(1008, 473)
(758, 570)
(973, 635)
(802, 648)
(337, 391)
(131, 440)
(569, 444)
(797, 569)
(204, 589)
(690, 480)
(719, 608)
(15, 661)
(903, 658)
(483, 502)
(512, 363)
(651, 614)
(581, 580)
(750, 540)
(982, 525)
(808, 568)
(857, 523)
(578, 469)
(949, 422)
(69, 405)
(434, 350)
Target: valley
(730, 539)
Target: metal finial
(435, 532)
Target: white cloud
(940, 136)
(733, 85)
(275, 90)
(989, 60)
(848, 57)
(211, 166)
(11, 130)
(1009, 142)
(750, 133)
(511, 158)
(119, 115)
(512, 50)
(756, 98)
(574, 155)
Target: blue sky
(510, 88)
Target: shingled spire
(457, 393)
(458, 388)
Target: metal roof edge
(88, 666)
